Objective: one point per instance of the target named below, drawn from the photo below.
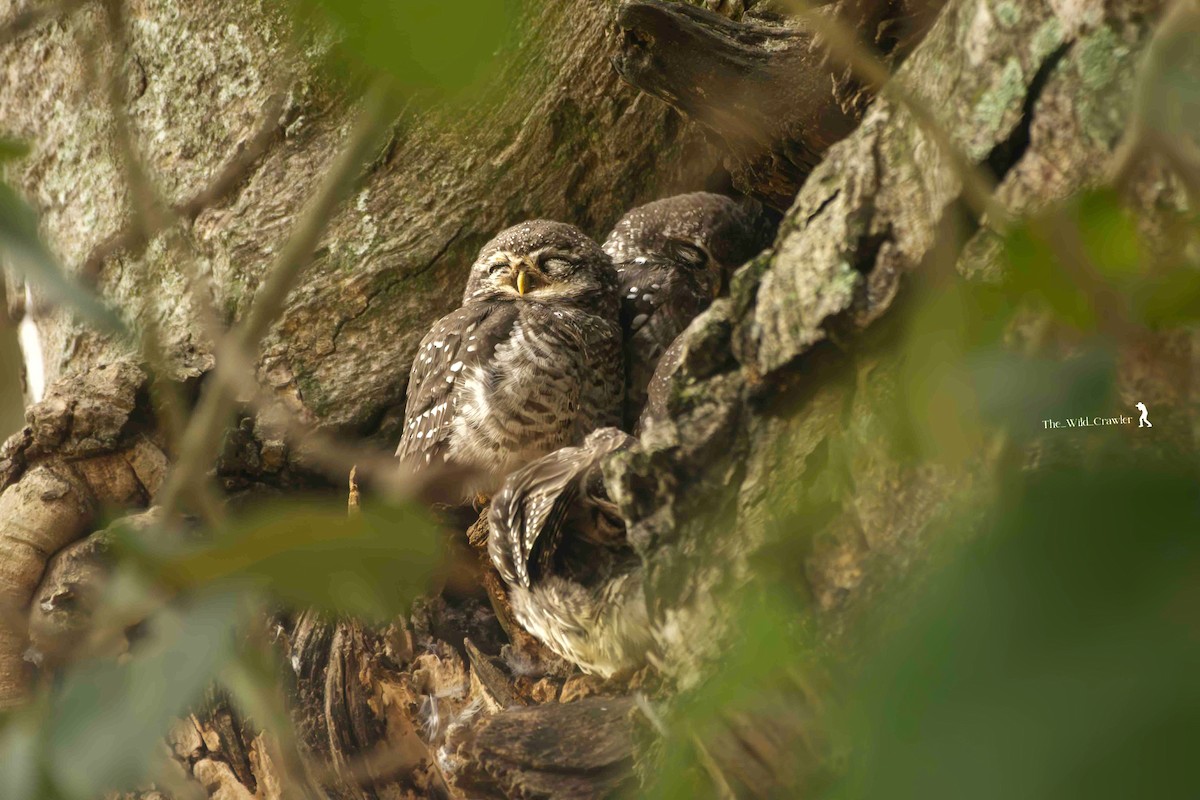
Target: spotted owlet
(673, 256)
(529, 363)
(559, 544)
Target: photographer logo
(1100, 422)
(1144, 420)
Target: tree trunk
(1035, 92)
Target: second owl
(673, 256)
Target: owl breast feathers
(529, 363)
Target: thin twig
(139, 183)
(1128, 155)
(336, 458)
(720, 784)
(651, 714)
(353, 501)
(1142, 137)
(146, 214)
(268, 303)
(133, 240)
(978, 188)
(143, 192)
(1184, 158)
(328, 454)
(202, 438)
(151, 216)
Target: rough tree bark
(1034, 90)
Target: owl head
(541, 262)
(701, 230)
(686, 268)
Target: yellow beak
(522, 282)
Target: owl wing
(459, 341)
(528, 511)
(528, 516)
(656, 305)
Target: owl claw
(481, 500)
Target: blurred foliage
(1168, 101)
(23, 250)
(1056, 657)
(369, 564)
(190, 608)
(432, 50)
(1098, 239)
(101, 726)
(12, 398)
(106, 718)
(12, 149)
(765, 685)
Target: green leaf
(444, 46)
(1034, 269)
(12, 149)
(936, 396)
(21, 743)
(23, 250)
(12, 398)
(369, 564)
(1173, 299)
(1056, 658)
(1110, 235)
(108, 719)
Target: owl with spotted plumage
(529, 363)
(560, 546)
(673, 257)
